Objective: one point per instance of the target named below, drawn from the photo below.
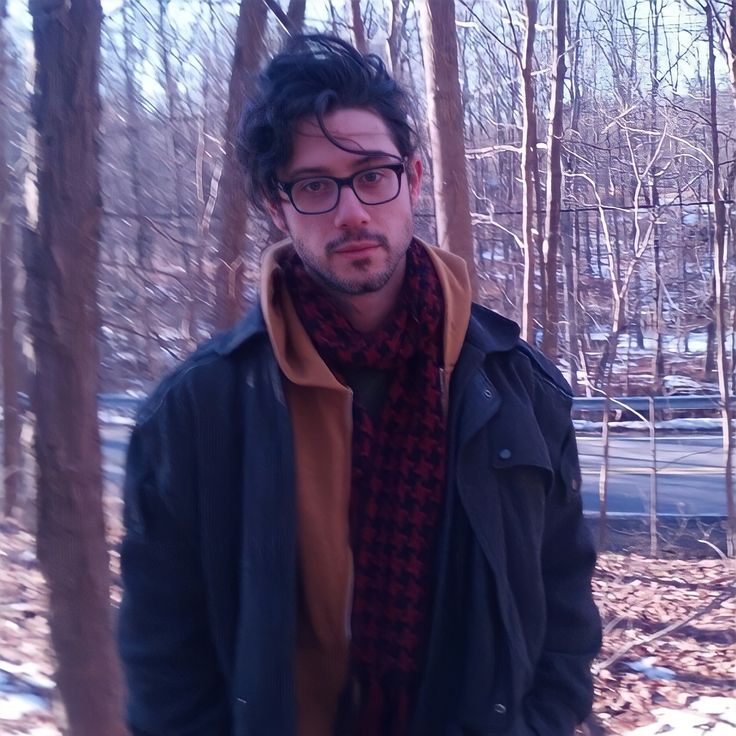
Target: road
(690, 477)
(690, 474)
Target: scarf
(397, 483)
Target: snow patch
(14, 706)
(711, 715)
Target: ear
(277, 215)
(414, 171)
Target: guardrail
(642, 403)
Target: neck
(367, 312)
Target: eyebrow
(323, 171)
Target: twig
(663, 632)
(713, 546)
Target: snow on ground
(713, 716)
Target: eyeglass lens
(321, 193)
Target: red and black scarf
(398, 477)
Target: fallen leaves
(679, 613)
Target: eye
(313, 186)
(372, 177)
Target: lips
(356, 248)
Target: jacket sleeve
(175, 687)
(562, 691)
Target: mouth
(357, 248)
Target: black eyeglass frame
(347, 181)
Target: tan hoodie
(321, 413)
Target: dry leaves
(680, 613)
(692, 601)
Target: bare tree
(295, 15)
(361, 42)
(528, 167)
(62, 301)
(553, 204)
(719, 270)
(12, 450)
(446, 132)
(249, 50)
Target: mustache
(362, 236)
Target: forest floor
(668, 663)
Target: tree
(361, 42)
(553, 205)
(64, 322)
(446, 132)
(249, 50)
(719, 273)
(529, 167)
(12, 449)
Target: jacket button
(500, 708)
(488, 393)
(504, 454)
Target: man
(357, 512)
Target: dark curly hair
(312, 76)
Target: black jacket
(207, 622)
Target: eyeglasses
(316, 195)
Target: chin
(366, 284)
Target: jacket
(209, 560)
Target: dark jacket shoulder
(494, 333)
(208, 365)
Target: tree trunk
(135, 146)
(64, 320)
(570, 294)
(719, 267)
(554, 185)
(178, 156)
(528, 154)
(358, 28)
(730, 46)
(658, 372)
(398, 22)
(447, 132)
(249, 50)
(12, 465)
(295, 15)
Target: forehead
(356, 129)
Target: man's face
(355, 248)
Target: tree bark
(361, 42)
(12, 465)
(554, 185)
(249, 50)
(658, 372)
(135, 146)
(730, 47)
(719, 267)
(447, 132)
(64, 321)
(182, 215)
(295, 15)
(528, 155)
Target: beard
(366, 279)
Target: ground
(669, 646)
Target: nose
(350, 211)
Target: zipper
(351, 576)
(443, 392)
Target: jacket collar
(249, 327)
(489, 332)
